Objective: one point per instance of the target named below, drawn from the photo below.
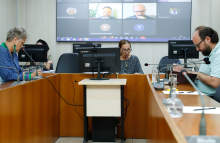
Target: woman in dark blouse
(130, 64)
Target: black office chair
(216, 96)
(68, 63)
(165, 60)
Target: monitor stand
(99, 75)
(185, 59)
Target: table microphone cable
(74, 97)
(63, 98)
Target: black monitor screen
(182, 50)
(37, 52)
(76, 47)
(109, 59)
(114, 20)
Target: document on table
(190, 109)
(184, 92)
(50, 71)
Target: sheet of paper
(184, 92)
(190, 109)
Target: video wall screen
(113, 20)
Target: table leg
(85, 117)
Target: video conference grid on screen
(113, 20)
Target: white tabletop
(87, 81)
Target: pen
(205, 109)
(190, 91)
(180, 92)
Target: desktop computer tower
(103, 129)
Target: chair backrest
(165, 60)
(1, 80)
(68, 63)
(216, 96)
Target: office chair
(216, 96)
(165, 60)
(68, 63)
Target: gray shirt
(131, 66)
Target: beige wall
(39, 18)
(7, 17)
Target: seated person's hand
(39, 73)
(177, 68)
(141, 17)
(50, 61)
(136, 73)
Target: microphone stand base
(16, 83)
(158, 86)
(166, 81)
(203, 138)
(36, 77)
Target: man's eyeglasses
(128, 50)
(139, 11)
(197, 45)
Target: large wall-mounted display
(113, 20)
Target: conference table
(35, 112)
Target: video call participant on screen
(130, 64)
(106, 13)
(16, 37)
(71, 11)
(139, 11)
(206, 41)
(173, 11)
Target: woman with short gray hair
(15, 39)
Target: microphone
(160, 85)
(36, 77)
(18, 79)
(202, 126)
(206, 59)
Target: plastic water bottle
(174, 105)
(154, 75)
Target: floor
(80, 140)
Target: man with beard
(139, 12)
(106, 13)
(208, 78)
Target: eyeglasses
(200, 43)
(139, 11)
(128, 50)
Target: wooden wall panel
(30, 112)
(135, 92)
(72, 125)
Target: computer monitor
(99, 59)
(37, 52)
(182, 50)
(76, 47)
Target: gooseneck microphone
(202, 126)
(160, 85)
(18, 79)
(36, 77)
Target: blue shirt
(213, 69)
(7, 60)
